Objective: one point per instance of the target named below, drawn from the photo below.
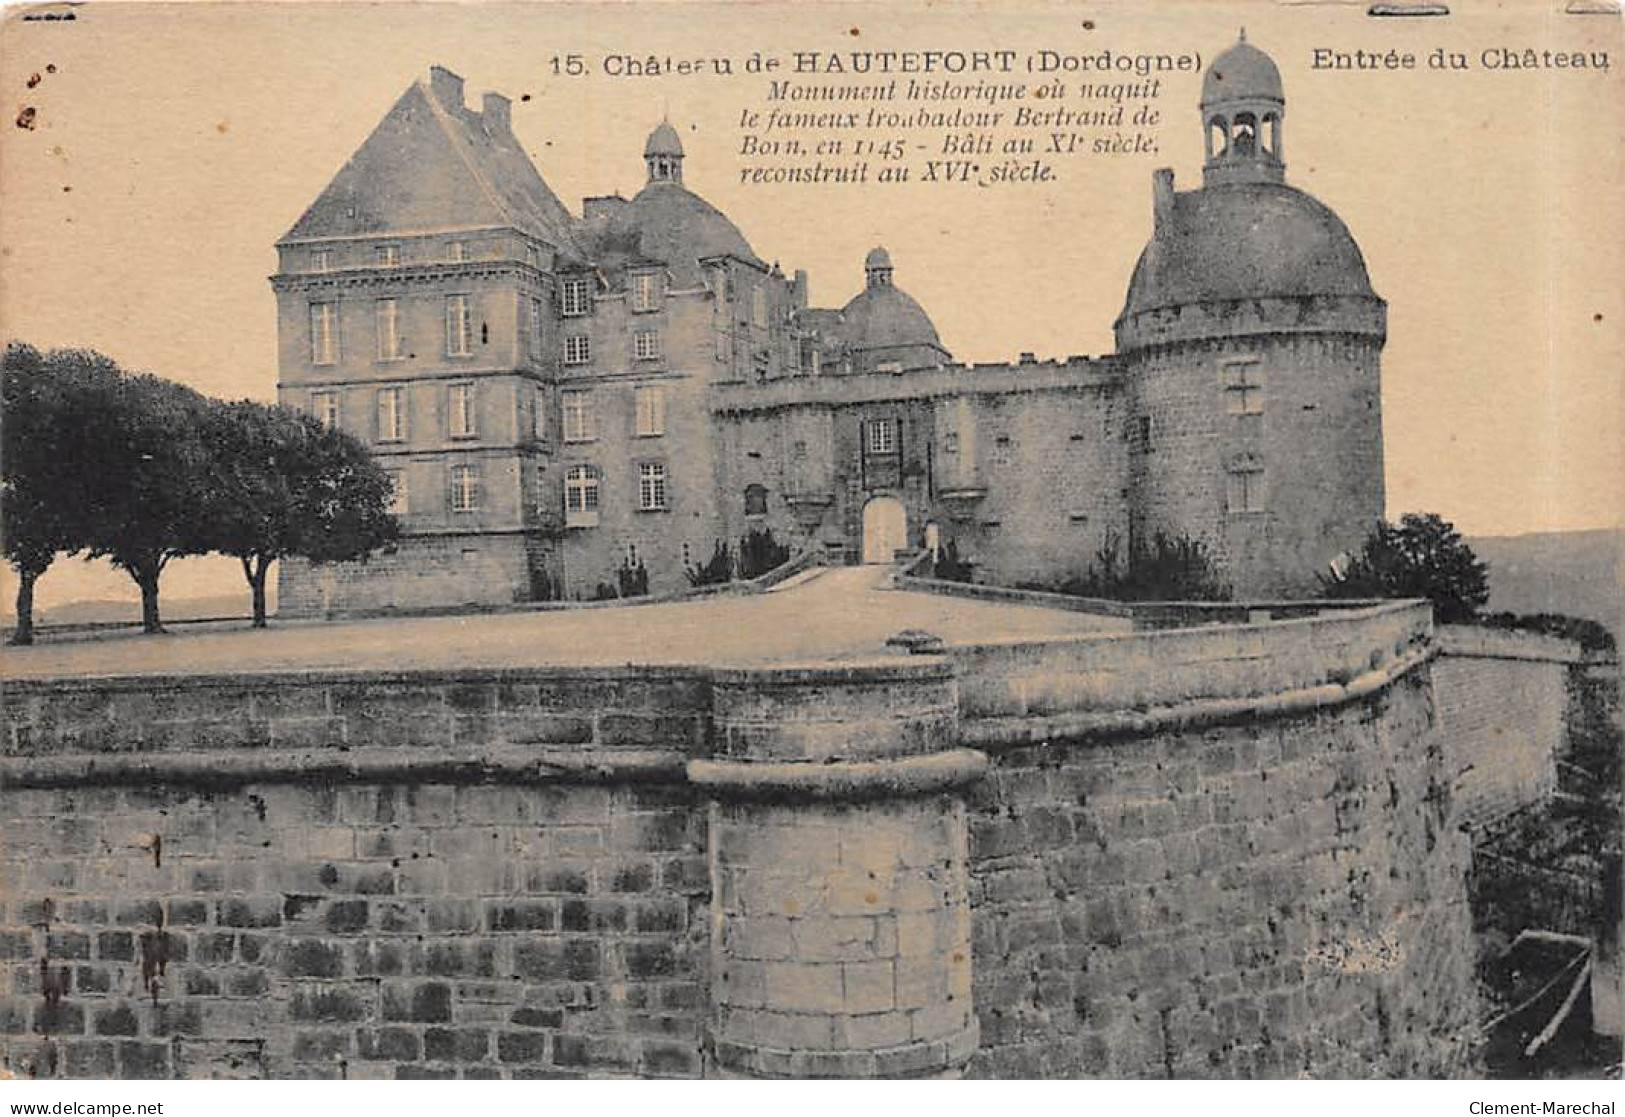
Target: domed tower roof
(1245, 234)
(882, 316)
(663, 141)
(1242, 73)
(1246, 241)
(679, 228)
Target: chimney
(498, 115)
(798, 289)
(1162, 196)
(447, 87)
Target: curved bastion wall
(1219, 850)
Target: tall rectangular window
(387, 316)
(581, 496)
(387, 255)
(1243, 388)
(578, 416)
(391, 414)
(649, 402)
(324, 333)
(575, 297)
(325, 406)
(457, 251)
(321, 259)
(459, 327)
(460, 409)
(538, 328)
(465, 488)
(645, 291)
(399, 501)
(882, 436)
(538, 413)
(1244, 487)
(646, 345)
(577, 349)
(651, 486)
(758, 307)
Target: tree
(46, 476)
(281, 484)
(1422, 556)
(144, 440)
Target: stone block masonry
(1214, 851)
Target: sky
(173, 145)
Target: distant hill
(105, 611)
(1572, 572)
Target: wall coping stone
(237, 767)
(859, 779)
(1013, 732)
(1469, 641)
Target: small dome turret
(663, 154)
(877, 268)
(1243, 107)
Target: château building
(556, 396)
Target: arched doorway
(885, 529)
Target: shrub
(718, 570)
(759, 552)
(1168, 569)
(950, 567)
(1421, 556)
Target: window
(459, 327)
(387, 255)
(399, 503)
(325, 406)
(538, 328)
(882, 436)
(1244, 487)
(460, 410)
(533, 255)
(321, 260)
(758, 307)
(651, 487)
(574, 297)
(646, 291)
(391, 415)
(387, 316)
(649, 401)
(1243, 388)
(457, 251)
(577, 349)
(646, 345)
(755, 500)
(578, 416)
(581, 496)
(324, 333)
(465, 488)
(1141, 434)
(538, 413)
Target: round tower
(1252, 341)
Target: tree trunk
(256, 579)
(145, 573)
(24, 633)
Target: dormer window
(387, 255)
(645, 292)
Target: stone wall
(1503, 706)
(1212, 851)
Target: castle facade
(559, 398)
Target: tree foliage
(1421, 556)
(283, 485)
(140, 470)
